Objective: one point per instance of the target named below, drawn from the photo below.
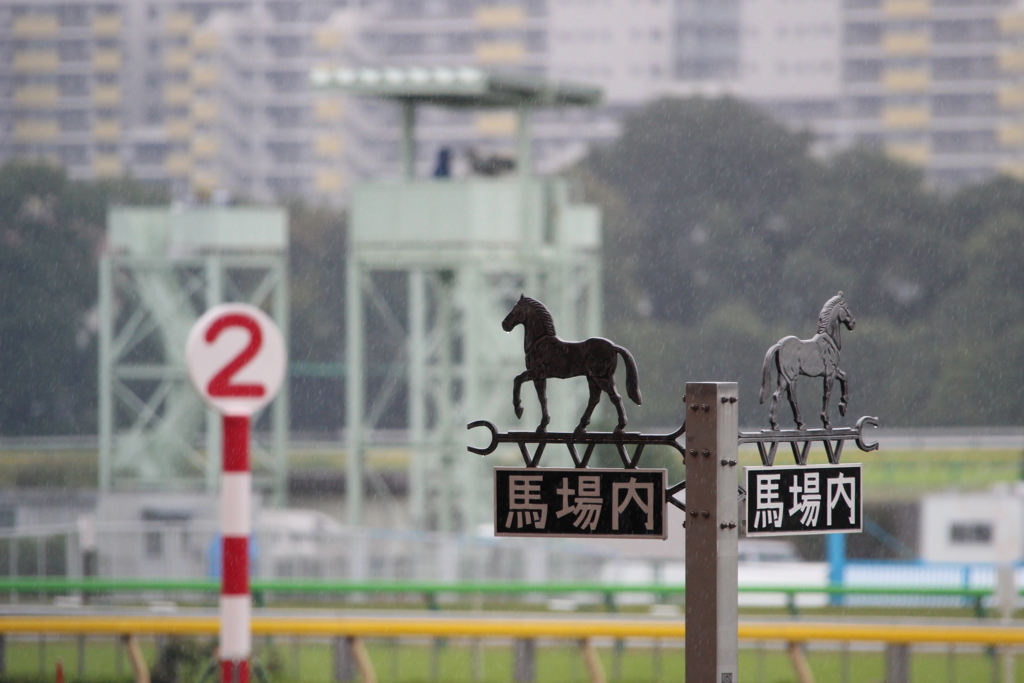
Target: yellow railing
(583, 630)
(479, 627)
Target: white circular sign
(236, 358)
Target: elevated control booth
(162, 267)
(434, 265)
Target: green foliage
(51, 235)
(317, 237)
(51, 230)
(698, 174)
(724, 233)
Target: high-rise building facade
(521, 36)
(62, 84)
(782, 54)
(213, 96)
(201, 96)
(939, 83)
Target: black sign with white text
(609, 503)
(810, 499)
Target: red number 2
(221, 384)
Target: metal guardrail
(348, 635)
(503, 627)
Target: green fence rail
(431, 589)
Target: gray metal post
(72, 556)
(344, 664)
(81, 657)
(594, 298)
(712, 449)
(407, 153)
(897, 663)
(417, 396)
(524, 660)
(449, 493)
(524, 143)
(214, 296)
(106, 376)
(435, 659)
(532, 229)
(14, 567)
(471, 493)
(280, 417)
(1006, 599)
(354, 392)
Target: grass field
(294, 661)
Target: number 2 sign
(236, 358)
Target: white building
(984, 527)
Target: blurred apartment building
(214, 95)
(636, 50)
(202, 96)
(939, 83)
(783, 54)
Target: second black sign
(813, 499)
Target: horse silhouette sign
(548, 356)
(631, 502)
(582, 501)
(814, 357)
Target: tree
(723, 233)
(693, 171)
(980, 379)
(872, 221)
(51, 230)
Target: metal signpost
(236, 361)
(712, 530)
(630, 502)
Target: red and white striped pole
(236, 527)
(236, 360)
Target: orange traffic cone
(60, 671)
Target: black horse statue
(549, 356)
(814, 357)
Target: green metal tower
(460, 251)
(162, 268)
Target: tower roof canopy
(467, 87)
